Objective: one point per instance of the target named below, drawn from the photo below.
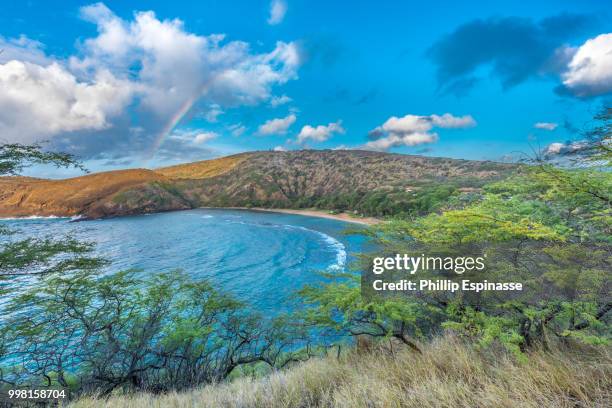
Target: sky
(145, 84)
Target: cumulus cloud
(279, 149)
(398, 139)
(449, 121)
(279, 100)
(278, 9)
(40, 101)
(204, 137)
(320, 133)
(23, 49)
(177, 65)
(277, 126)
(143, 65)
(546, 125)
(414, 130)
(514, 48)
(589, 73)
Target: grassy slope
(202, 169)
(22, 196)
(261, 177)
(448, 374)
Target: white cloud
(40, 101)
(279, 149)
(23, 49)
(589, 73)
(279, 100)
(546, 125)
(204, 137)
(277, 126)
(343, 147)
(178, 66)
(449, 121)
(193, 136)
(557, 148)
(320, 133)
(237, 129)
(413, 130)
(554, 148)
(213, 112)
(278, 9)
(143, 63)
(395, 139)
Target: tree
(600, 138)
(545, 226)
(38, 256)
(14, 157)
(137, 331)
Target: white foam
(37, 217)
(338, 246)
(332, 242)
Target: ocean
(262, 258)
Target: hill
(296, 179)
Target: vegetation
(545, 226)
(124, 337)
(449, 373)
(21, 258)
(367, 183)
(15, 157)
(552, 236)
(394, 203)
(91, 333)
(599, 148)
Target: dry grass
(448, 374)
(23, 196)
(202, 169)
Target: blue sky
(130, 84)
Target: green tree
(37, 256)
(136, 331)
(545, 226)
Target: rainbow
(174, 120)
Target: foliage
(30, 257)
(600, 138)
(133, 331)
(340, 306)
(546, 227)
(399, 203)
(37, 256)
(14, 157)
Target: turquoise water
(260, 257)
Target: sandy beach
(313, 213)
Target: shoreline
(369, 221)
(345, 217)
